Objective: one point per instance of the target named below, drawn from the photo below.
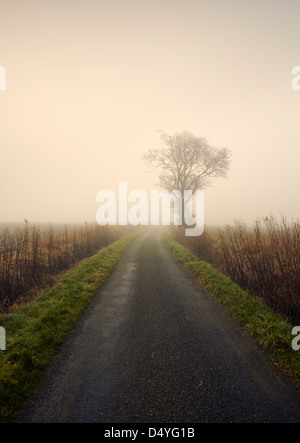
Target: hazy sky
(90, 83)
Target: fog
(89, 84)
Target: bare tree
(188, 162)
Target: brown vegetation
(30, 256)
(264, 260)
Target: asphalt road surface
(154, 348)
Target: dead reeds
(30, 255)
(264, 259)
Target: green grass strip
(271, 331)
(37, 329)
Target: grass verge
(271, 331)
(37, 329)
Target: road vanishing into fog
(154, 348)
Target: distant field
(264, 260)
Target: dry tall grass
(264, 260)
(30, 256)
